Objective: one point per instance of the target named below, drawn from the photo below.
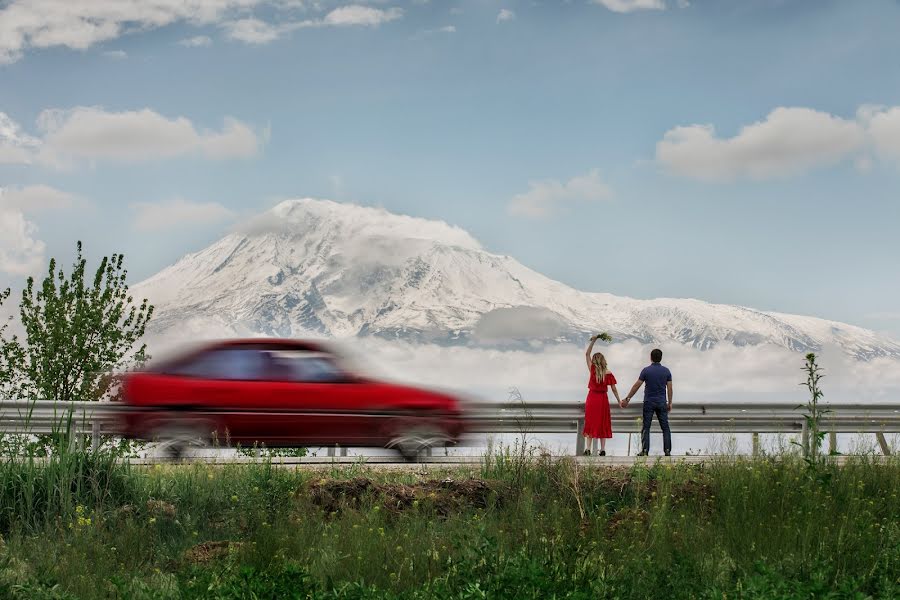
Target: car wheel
(178, 440)
(413, 441)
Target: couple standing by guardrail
(657, 380)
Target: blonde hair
(600, 368)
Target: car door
(236, 392)
(321, 403)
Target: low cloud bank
(519, 323)
(725, 373)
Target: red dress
(597, 420)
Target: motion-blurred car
(281, 393)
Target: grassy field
(82, 526)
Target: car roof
(273, 343)
(280, 344)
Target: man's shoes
(602, 453)
(668, 454)
(642, 453)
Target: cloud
(252, 31)
(558, 373)
(79, 24)
(90, 134)
(884, 128)
(505, 15)
(198, 41)
(544, 197)
(437, 31)
(519, 323)
(787, 142)
(358, 15)
(255, 31)
(16, 147)
(626, 6)
(34, 198)
(21, 253)
(178, 213)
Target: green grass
(83, 526)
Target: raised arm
(590, 348)
(600, 336)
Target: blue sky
(738, 151)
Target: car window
(305, 367)
(247, 364)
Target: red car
(281, 393)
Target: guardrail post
(95, 435)
(579, 440)
(832, 442)
(343, 451)
(885, 449)
(755, 444)
(330, 450)
(804, 439)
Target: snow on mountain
(320, 268)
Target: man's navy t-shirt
(655, 378)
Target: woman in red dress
(597, 420)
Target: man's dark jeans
(662, 415)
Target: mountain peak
(312, 267)
(304, 216)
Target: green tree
(76, 333)
(10, 356)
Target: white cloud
(429, 32)
(21, 253)
(626, 6)
(34, 198)
(884, 127)
(116, 54)
(519, 323)
(16, 147)
(197, 41)
(505, 15)
(79, 24)
(544, 197)
(89, 133)
(787, 142)
(178, 213)
(359, 15)
(558, 373)
(255, 31)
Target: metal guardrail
(99, 419)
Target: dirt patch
(445, 496)
(692, 490)
(158, 508)
(334, 494)
(210, 551)
(627, 519)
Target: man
(658, 380)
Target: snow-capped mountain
(320, 268)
